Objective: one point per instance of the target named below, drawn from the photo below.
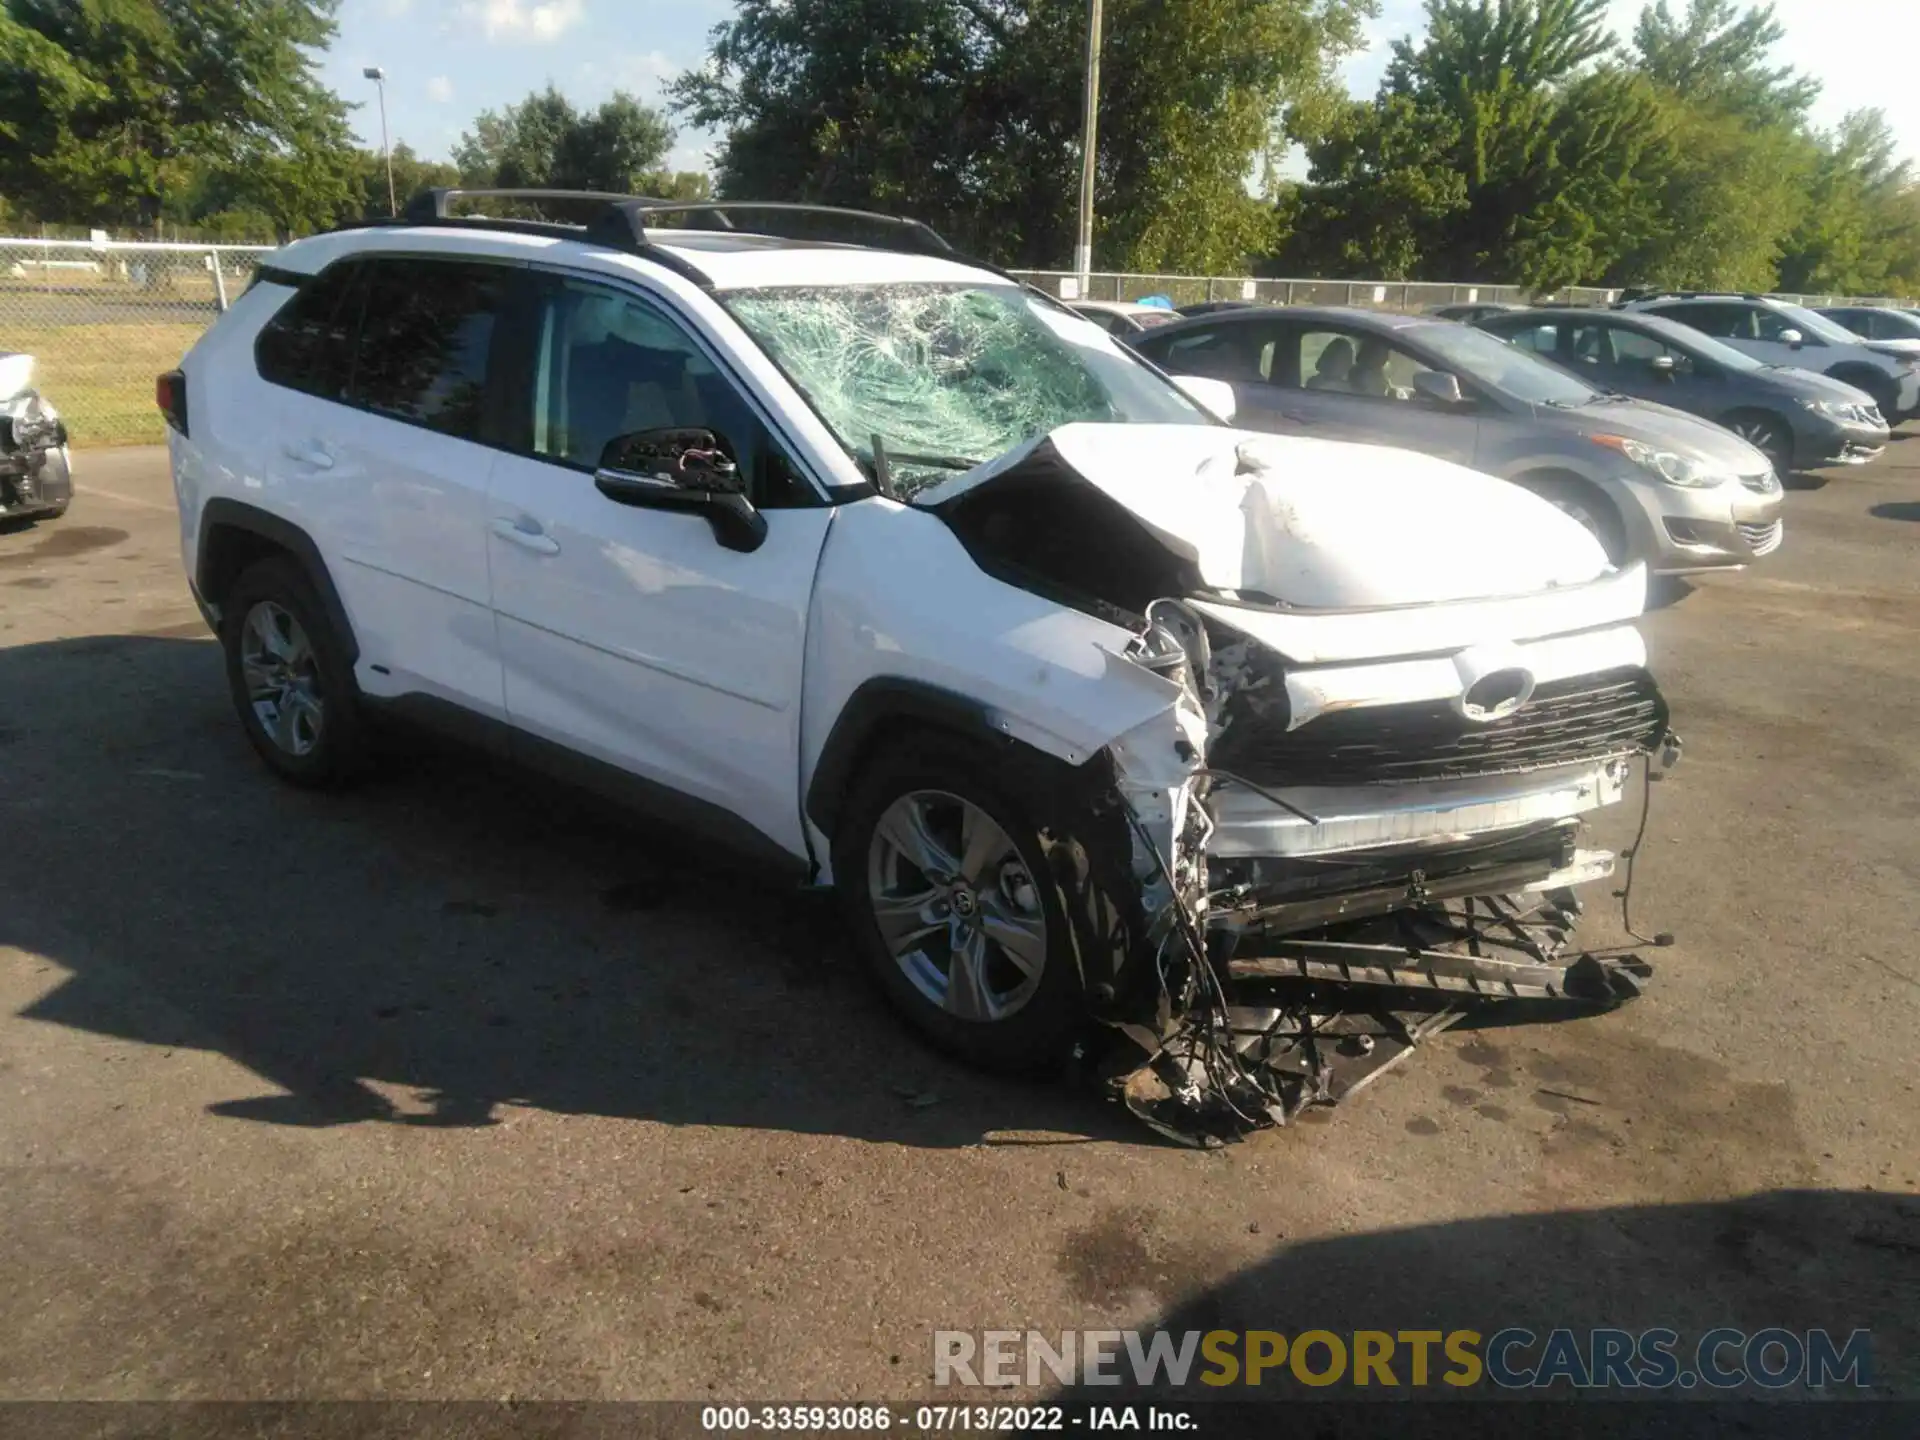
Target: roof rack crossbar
(636, 212)
(436, 203)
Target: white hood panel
(1319, 524)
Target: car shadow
(443, 941)
(1896, 510)
(1802, 480)
(1796, 1259)
(1665, 590)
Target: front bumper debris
(1284, 958)
(1312, 1020)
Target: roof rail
(436, 203)
(630, 218)
(622, 222)
(1658, 293)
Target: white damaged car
(904, 579)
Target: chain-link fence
(102, 318)
(1401, 295)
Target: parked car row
(1648, 481)
(1662, 423)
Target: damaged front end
(1293, 976)
(1353, 823)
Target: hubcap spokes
(278, 667)
(954, 903)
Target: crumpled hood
(1314, 524)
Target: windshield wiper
(938, 462)
(883, 459)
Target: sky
(447, 60)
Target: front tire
(1767, 434)
(947, 890)
(289, 677)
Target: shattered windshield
(949, 376)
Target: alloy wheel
(281, 673)
(1764, 436)
(956, 905)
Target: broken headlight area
(1383, 873)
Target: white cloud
(517, 20)
(440, 89)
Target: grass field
(100, 377)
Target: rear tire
(291, 683)
(1766, 433)
(1579, 500)
(947, 890)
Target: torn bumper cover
(1303, 935)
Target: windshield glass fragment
(949, 376)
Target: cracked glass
(949, 376)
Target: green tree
(544, 142)
(1736, 163)
(966, 114)
(411, 175)
(1719, 57)
(1509, 145)
(110, 107)
(1858, 234)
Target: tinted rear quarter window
(1726, 321)
(308, 344)
(426, 342)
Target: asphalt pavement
(448, 1088)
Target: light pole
(379, 78)
(1083, 251)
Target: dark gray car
(1796, 418)
(1876, 322)
(1651, 483)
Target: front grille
(1762, 484)
(1762, 539)
(1588, 717)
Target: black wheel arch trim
(222, 513)
(877, 704)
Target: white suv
(907, 579)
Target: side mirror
(1439, 386)
(1216, 397)
(686, 469)
(1793, 339)
(1663, 366)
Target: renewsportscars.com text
(1512, 1358)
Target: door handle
(311, 453)
(527, 534)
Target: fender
(878, 703)
(214, 572)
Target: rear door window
(427, 342)
(1352, 363)
(1634, 351)
(1540, 339)
(308, 345)
(1228, 352)
(1729, 322)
